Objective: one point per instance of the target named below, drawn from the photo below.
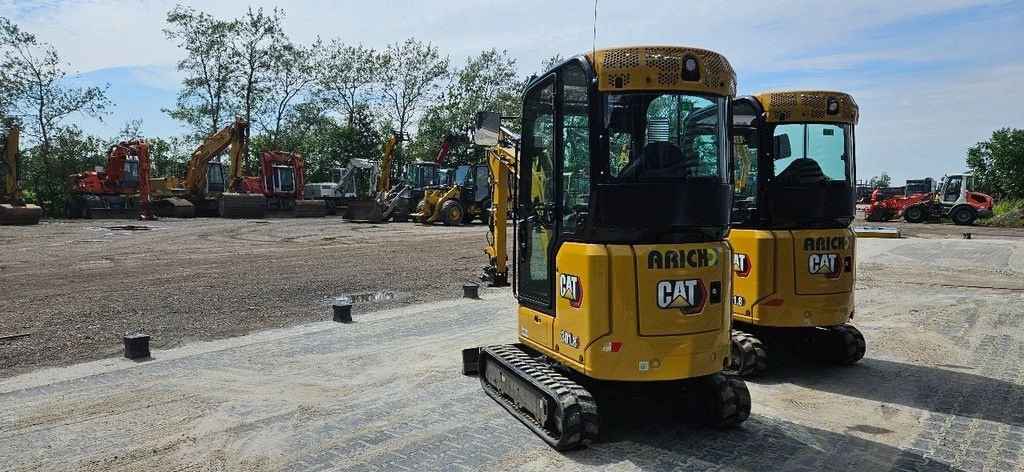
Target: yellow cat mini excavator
(13, 209)
(621, 268)
(793, 257)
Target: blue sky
(932, 77)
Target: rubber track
(571, 411)
(849, 344)
(752, 359)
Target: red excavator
(281, 180)
(954, 199)
(110, 192)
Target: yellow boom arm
(233, 135)
(502, 159)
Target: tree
(256, 43)
(348, 75)
(880, 181)
(292, 74)
(998, 164)
(488, 82)
(411, 73)
(204, 102)
(33, 74)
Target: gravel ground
(76, 286)
(940, 389)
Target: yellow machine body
(800, 278)
(636, 313)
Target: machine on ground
(793, 248)
(205, 191)
(13, 209)
(281, 181)
(465, 196)
(622, 270)
(954, 198)
(119, 190)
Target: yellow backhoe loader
(622, 272)
(793, 261)
(13, 209)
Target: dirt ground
(76, 286)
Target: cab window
(575, 148)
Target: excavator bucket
(310, 208)
(243, 205)
(364, 210)
(20, 214)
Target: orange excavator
(13, 209)
(111, 192)
(281, 181)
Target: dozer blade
(243, 205)
(309, 208)
(557, 409)
(364, 210)
(20, 215)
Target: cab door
(536, 212)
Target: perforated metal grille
(614, 80)
(658, 67)
(810, 105)
(622, 58)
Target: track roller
(557, 409)
(748, 354)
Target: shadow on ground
(646, 437)
(936, 389)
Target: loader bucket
(310, 208)
(243, 205)
(364, 210)
(20, 214)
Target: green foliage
(880, 181)
(411, 73)
(1006, 213)
(488, 82)
(998, 164)
(70, 152)
(205, 99)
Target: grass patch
(1006, 214)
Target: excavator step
(309, 208)
(20, 215)
(243, 205)
(557, 409)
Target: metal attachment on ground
(471, 361)
(471, 290)
(342, 310)
(136, 345)
(967, 235)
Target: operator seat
(801, 171)
(658, 161)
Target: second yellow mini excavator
(793, 258)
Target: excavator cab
(215, 182)
(622, 270)
(794, 194)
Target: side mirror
(781, 148)
(488, 127)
